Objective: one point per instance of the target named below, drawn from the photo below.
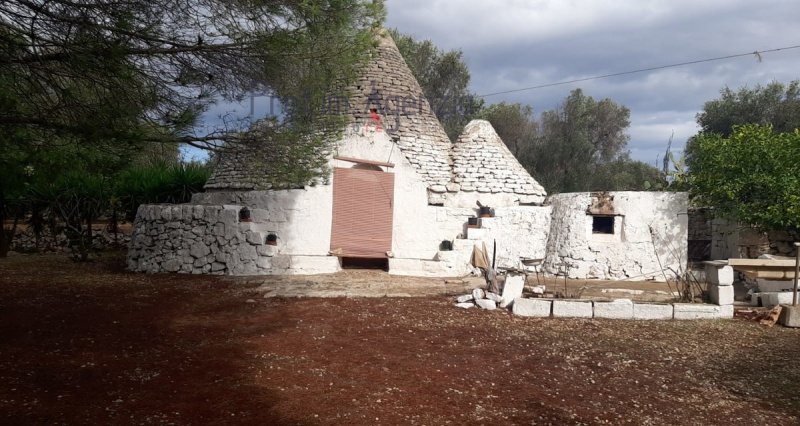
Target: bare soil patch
(92, 344)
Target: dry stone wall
(199, 239)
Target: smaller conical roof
(483, 163)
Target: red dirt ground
(92, 344)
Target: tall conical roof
(483, 163)
(385, 87)
(388, 87)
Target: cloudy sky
(512, 44)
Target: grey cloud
(512, 44)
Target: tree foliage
(775, 104)
(444, 78)
(752, 175)
(516, 126)
(142, 70)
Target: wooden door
(362, 213)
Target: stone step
(426, 268)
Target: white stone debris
(494, 297)
(465, 298)
(538, 289)
(478, 294)
(487, 304)
(465, 305)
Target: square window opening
(603, 225)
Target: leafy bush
(753, 176)
(160, 182)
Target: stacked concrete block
(572, 309)
(617, 309)
(720, 278)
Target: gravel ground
(92, 344)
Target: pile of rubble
(512, 289)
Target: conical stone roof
(386, 87)
(483, 163)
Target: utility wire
(757, 54)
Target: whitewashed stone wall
(302, 217)
(650, 239)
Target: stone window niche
(606, 228)
(603, 225)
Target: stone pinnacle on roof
(483, 163)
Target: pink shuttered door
(362, 213)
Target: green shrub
(160, 182)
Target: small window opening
(602, 224)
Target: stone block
(199, 250)
(264, 262)
(790, 316)
(617, 309)
(311, 265)
(512, 289)
(652, 311)
(256, 238)
(719, 275)
(487, 304)
(721, 295)
(267, 250)
(259, 215)
(695, 311)
(572, 309)
(172, 265)
(476, 233)
(532, 307)
(772, 299)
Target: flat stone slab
(652, 311)
(532, 307)
(572, 309)
(512, 289)
(790, 316)
(617, 309)
(695, 311)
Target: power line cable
(757, 54)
